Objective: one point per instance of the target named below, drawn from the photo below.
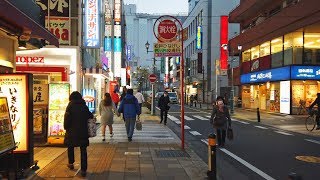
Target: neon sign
(91, 24)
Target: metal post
(153, 109)
(258, 114)
(182, 90)
(152, 99)
(212, 160)
(232, 88)
(203, 92)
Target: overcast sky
(160, 6)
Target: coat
(163, 103)
(129, 107)
(76, 124)
(115, 98)
(218, 116)
(107, 112)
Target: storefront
(280, 90)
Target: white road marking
(173, 118)
(261, 127)
(201, 118)
(284, 133)
(313, 141)
(248, 165)
(186, 127)
(188, 118)
(208, 117)
(177, 122)
(240, 121)
(158, 108)
(205, 141)
(195, 133)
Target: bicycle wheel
(310, 123)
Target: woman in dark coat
(76, 126)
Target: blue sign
(107, 44)
(129, 53)
(91, 38)
(199, 37)
(117, 44)
(305, 72)
(89, 96)
(278, 74)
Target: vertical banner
(285, 97)
(123, 77)
(162, 64)
(223, 41)
(117, 11)
(91, 24)
(199, 62)
(199, 38)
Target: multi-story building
(208, 32)
(280, 53)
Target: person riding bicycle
(317, 101)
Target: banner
(57, 7)
(60, 27)
(91, 24)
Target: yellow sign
(6, 133)
(40, 94)
(14, 87)
(167, 49)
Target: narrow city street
(258, 151)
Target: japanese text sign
(60, 27)
(117, 10)
(92, 24)
(6, 133)
(167, 30)
(167, 49)
(57, 7)
(40, 94)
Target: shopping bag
(230, 134)
(138, 125)
(92, 127)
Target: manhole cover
(171, 153)
(310, 159)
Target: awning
(96, 71)
(17, 18)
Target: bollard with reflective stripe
(212, 161)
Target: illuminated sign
(57, 7)
(277, 74)
(285, 97)
(123, 77)
(117, 30)
(40, 94)
(7, 142)
(223, 40)
(167, 49)
(107, 44)
(89, 96)
(117, 64)
(92, 24)
(117, 10)
(305, 72)
(199, 37)
(117, 44)
(60, 27)
(128, 52)
(29, 59)
(108, 30)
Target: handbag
(138, 124)
(230, 134)
(92, 127)
(167, 108)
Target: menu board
(6, 132)
(40, 94)
(58, 101)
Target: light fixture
(239, 47)
(22, 44)
(147, 45)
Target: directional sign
(167, 49)
(152, 78)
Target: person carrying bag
(221, 121)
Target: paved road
(257, 152)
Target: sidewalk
(154, 153)
(294, 123)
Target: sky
(160, 6)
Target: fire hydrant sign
(167, 49)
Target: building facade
(280, 55)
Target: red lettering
(26, 59)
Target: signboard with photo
(7, 142)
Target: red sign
(28, 60)
(152, 78)
(223, 40)
(167, 29)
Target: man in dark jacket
(130, 108)
(317, 101)
(76, 126)
(163, 105)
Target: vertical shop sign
(117, 11)
(128, 52)
(223, 41)
(199, 62)
(199, 38)
(7, 142)
(92, 24)
(123, 77)
(162, 64)
(57, 7)
(40, 94)
(89, 96)
(117, 30)
(59, 26)
(285, 97)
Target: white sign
(123, 77)
(117, 10)
(117, 30)
(108, 30)
(285, 97)
(117, 64)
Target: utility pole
(203, 91)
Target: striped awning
(98, 71)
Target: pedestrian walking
(129, 107)
(164, 107)
(115, 98)
(191, 100)
(195, 100)
(106, 110)
(221, 121)
(140, 99)
(76, 126)
(124, 92)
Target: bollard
(200, 104)
(258, 114)
(294, 176)
(212, 161)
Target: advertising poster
(6, 133)
(60, 27)
(285, 97)
(14, 87)
(40, 94)
(37, 121)
(58, 102)
(89, 96)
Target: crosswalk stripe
(188, 118)
(177, 122)
(201, 118)
(240, 121)
(195, 133)
(186, 127)
(173, 118)
(261, 127)
(284, 133)
(208, 117)
(205, 141)
(313, 141)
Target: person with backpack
(130, 108)
(220, 119)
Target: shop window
(276, 52)
(255, 52)
(246, 55)
(265, 49)
(293, 47)
(311, 48)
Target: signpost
(152, 79)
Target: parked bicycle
(311, 120)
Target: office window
(255, 52)
(311, 48)
(276, 52)
(246, 55)
(265, 49)
(293, 47)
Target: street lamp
(147, 45)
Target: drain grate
(171, 153)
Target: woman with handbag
(221, 121)
(106, 110)
(76, 126)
